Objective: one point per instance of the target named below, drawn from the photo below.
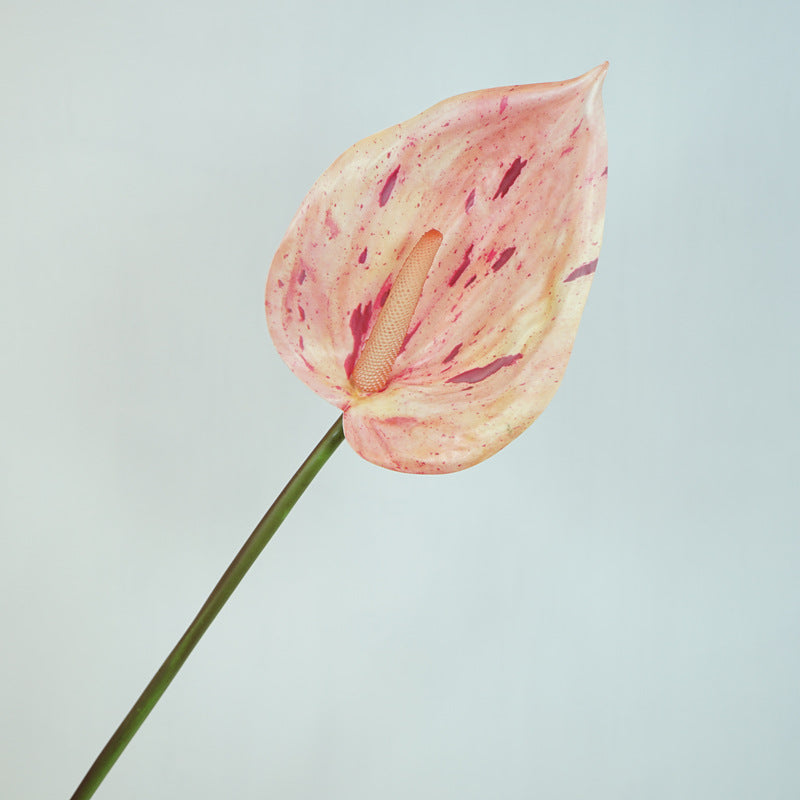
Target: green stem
(216, 600)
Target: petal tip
(594, 77)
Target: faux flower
(432, 282)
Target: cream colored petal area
(515, 179)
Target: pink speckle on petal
(453, 353)
(331, 225)
(470, 201)
(383, 294)
(386, 192)
(481, 373)
(503, 258)
(464, 264)
(512, 173)
(584, 269)
(400, 421)
(359, 320)
(409, 335)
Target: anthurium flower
(432, 282)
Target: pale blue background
(608, 609)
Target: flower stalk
(244, 559)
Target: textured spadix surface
(514, 179)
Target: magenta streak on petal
(604, 173)
(480, 373)
(512, 173)
(584, 269)
(453, 353)
(470, 201)
(565, 151)
(301, 277)
(503, 258)
(470, 281)
(503, 103)
(383, 294)
(575, 129)
(359, 320)
(363, 257)
(409, 335)
(302, 313)
(464, 264)
(386, 192)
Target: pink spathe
(514, 179)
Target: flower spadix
(432, 282)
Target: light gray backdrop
(606, 609)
